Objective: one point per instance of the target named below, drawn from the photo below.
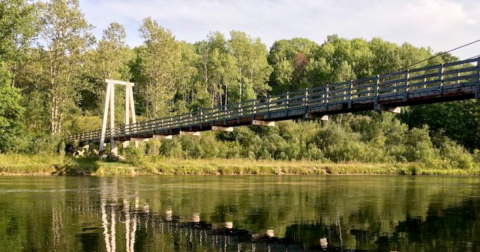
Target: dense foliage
(52, 73)
(376, 138)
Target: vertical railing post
(225, 115)
(405, 85)
(180, 122)
(239, 112)
(477, 91)
(350, 94)
(440, 81)
(287, 99)
(190, 120)
(268, 103)
(306, 100)
(254, 108)
(377, 90)
(327, 96)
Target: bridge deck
(447, 82)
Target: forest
(52, 84)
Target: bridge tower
(110, 103)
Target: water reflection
(240, 214)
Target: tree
(16, 33)
(17, 29)
(11, 111)
(217, 71)
(292, 61)
(65, 37)
(158, 61)
(109, 61)
(254, 70)
(185, 71)
(459, 120)
(112, 54)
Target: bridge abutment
(391, 109)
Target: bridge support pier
(226, 129)
(316, 117)
(138, 139)
(189, 133)
(263, 123)
(124, 144)
(113, 149)
(162, 136)
(392, 109)
(86, 147)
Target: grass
(16, 164)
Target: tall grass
(11, 164)
(16, 164)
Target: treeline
(53, 71)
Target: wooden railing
(461, 78)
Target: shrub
(152, 147)
(171, 148)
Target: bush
(45, 144)
(419, 146)
(171, 148)
(11, 113)
(135, 156)
(152, 147)
(455, 154)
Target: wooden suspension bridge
(458, 80)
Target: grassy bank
(58, 165)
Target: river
(240, 213)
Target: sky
(439, 24)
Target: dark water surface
(241, 213)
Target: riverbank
(44, 165)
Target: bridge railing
(427, 81)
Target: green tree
(112, 54)
(185, 71)
(292, 61)
(251, 56)
(158, 61)
(458, 120)
(16, 33)
(17, 29)
(64, 38)
(217, 71)
(11, 127)
(109, 61)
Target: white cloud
(440, 24)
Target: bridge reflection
(130, 221)
(179, 234)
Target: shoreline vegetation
(47, 165)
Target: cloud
(440, 24)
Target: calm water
(242, 213)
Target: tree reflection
(252, 214)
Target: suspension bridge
(451, 81)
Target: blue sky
(439, 24)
